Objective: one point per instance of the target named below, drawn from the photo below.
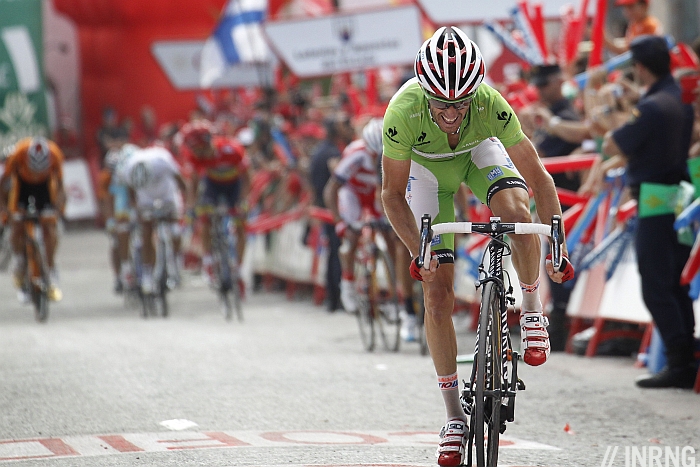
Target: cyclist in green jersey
(442, 128)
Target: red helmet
(197, 135)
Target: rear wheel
(386, 301)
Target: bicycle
(376, 289)
(36, 280)
(226, 262)
(488, 398)
(165, 270)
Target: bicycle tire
(41, 304)
(386, 301)
(160, 298)
(487, 399)
(362, 284)
(163, 308)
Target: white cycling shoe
(453, 439)
(535, 338)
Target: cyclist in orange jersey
(35, 170)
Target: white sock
(449, 388)
(207, 260)
(531, 296)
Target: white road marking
(178, 424)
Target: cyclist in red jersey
(219, 170)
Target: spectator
(639, 22)
(323, 158)
(145, 132)
(546, 116)
(110, 135)
(653, 145)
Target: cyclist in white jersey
(157, 187)
(442, 128)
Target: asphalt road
(99, 386)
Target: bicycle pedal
(520, 385)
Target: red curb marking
(58, 447)
(120, 443)
(280, 437)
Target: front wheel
(362, 286)
(386, 301)
(488, 384)
(41, 304)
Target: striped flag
(237, 38)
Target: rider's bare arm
(398, 212)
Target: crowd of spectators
(293, 135)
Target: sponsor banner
(80, 197)
(448, 12)
(181, 62)
(347, 42)
(23, 108)
(13, 450)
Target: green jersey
(409, 131)
(480, 159)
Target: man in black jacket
(653, 145)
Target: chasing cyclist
(34, 169)
(220, 175)
(351, 195)
(442, 128)
(156, 188)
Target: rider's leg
(347, 264)
(18, 258)
(207, 260)
(148, 256)
(50, 234)
(240, 240)
(440, 334)
(148, 251)
(513, 205)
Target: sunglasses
(443, 105)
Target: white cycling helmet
(449, 65)
(38, 154)
(115, 158)
(372, 135)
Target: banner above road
(347, 42)
(449, 12)
(180, 60)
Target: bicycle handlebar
(493, 228)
